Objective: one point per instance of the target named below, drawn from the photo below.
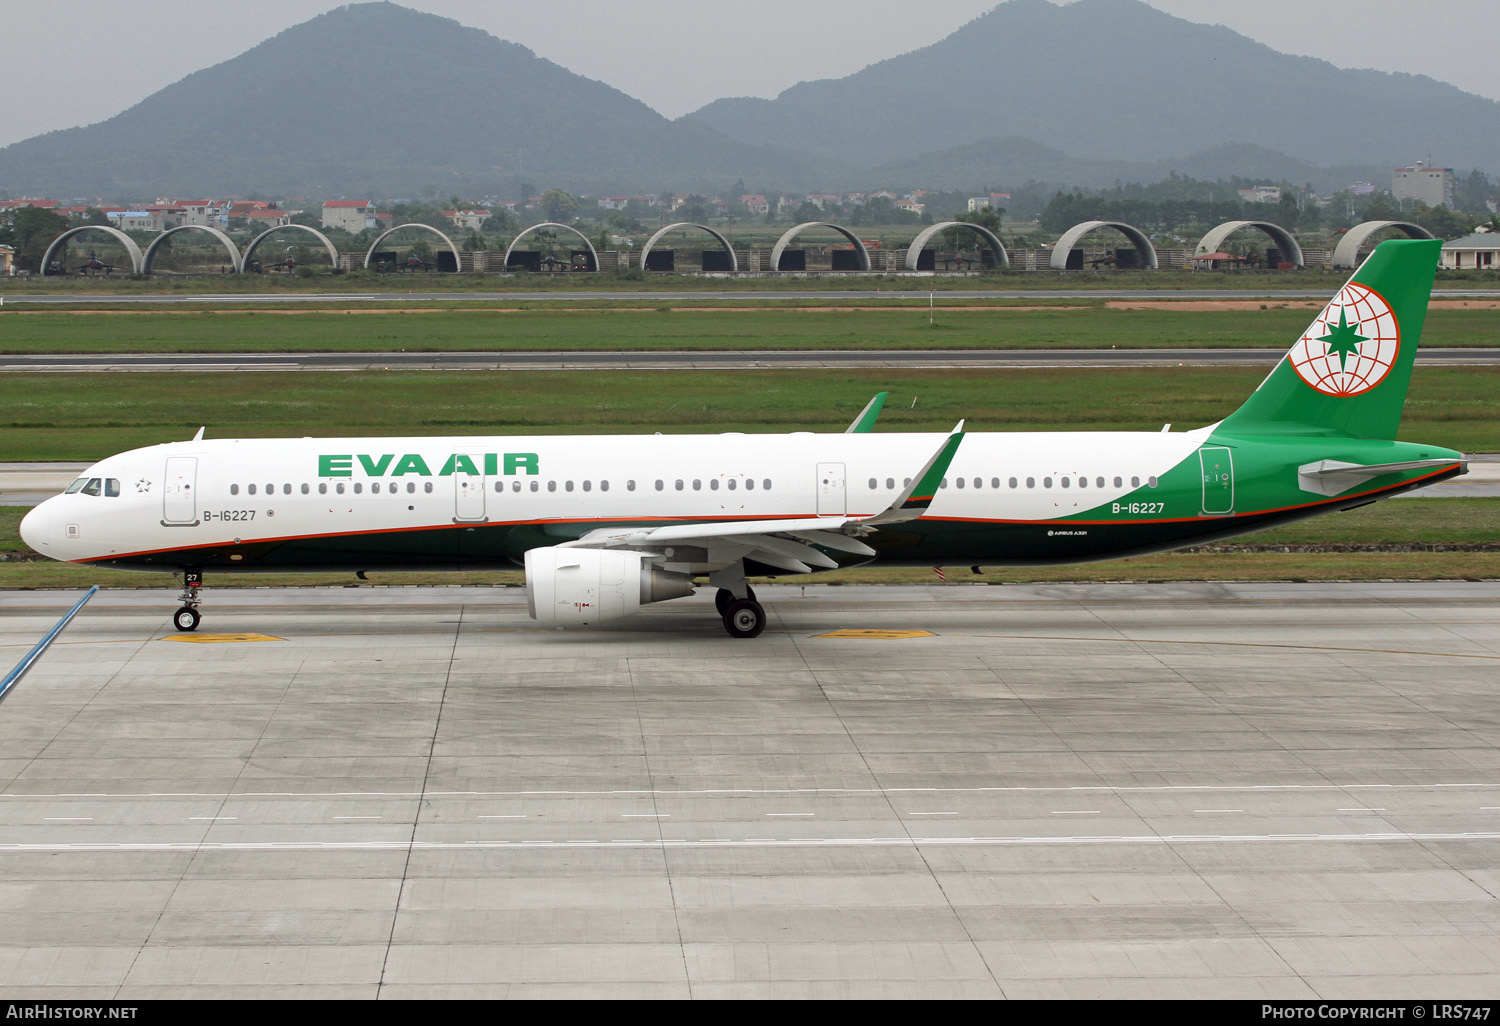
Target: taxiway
(1210, 790)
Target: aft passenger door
(1217, 463)
(179, 491)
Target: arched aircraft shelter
(1287, 246)
(1346, 253)
(333, 254)
(150, 257)
(136, 257)
(914, 251)
(551, 224)
(458, 264)
(781, 243)
(1137, 238)
(734, 263)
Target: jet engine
(576, 587)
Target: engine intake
(578, 587)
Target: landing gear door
(180, 491)
(468, 489)
(831, 490)
(1217, 463)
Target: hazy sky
(88, 61)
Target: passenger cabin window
(250, 489)
(234, 489)
(322, 488)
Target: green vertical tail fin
(1349, 371)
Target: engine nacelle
(577, 587)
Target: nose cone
(37, 528)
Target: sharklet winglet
(917, 497)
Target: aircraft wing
(790, 544)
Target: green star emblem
(1343, 340)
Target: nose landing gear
(186, 618)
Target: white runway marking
(751, 792)
(759, 842)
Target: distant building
(978, 203)
(1480, 251)
(7, 261)
(1362, 188)
(470, 219)
(264, 220)
(758, 204)
(910, 206)
(197, 211)
(127, 220)
(613, 202)
(1261, 194)
(1422, 184)
(350, 215)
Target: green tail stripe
(1330, 395)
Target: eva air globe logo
(1351, 346)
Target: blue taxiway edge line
(41, 646)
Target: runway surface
(1243, 791)
(747, 295)
(703, 360)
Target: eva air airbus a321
(607, 524)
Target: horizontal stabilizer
(1333, 477)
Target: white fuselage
(187, 497)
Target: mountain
(1116, 80)
(375, 98)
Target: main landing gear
(186, 618)
(743, 616)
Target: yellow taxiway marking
(876, 632)
(214, 639)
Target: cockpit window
(112, 487)
(76, 485)
(92, 487)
